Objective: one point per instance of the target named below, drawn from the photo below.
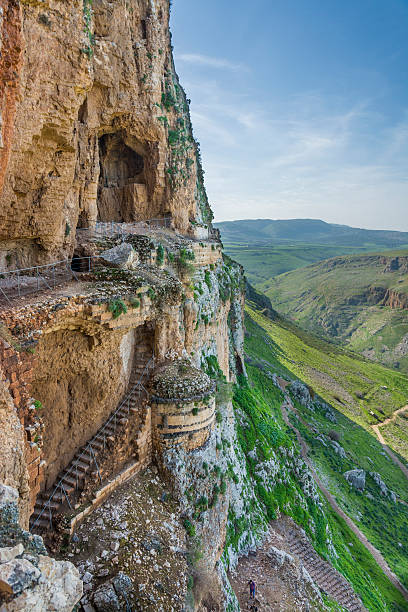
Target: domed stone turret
(183, 406)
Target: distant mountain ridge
(308, 231)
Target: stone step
(323, 574)
(42, 524)
(81, 466)
(110, 430)
(70, 480)
(85, 456)
(69, 486)
(38, 507)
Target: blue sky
(300, 106)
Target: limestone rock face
(13, 470)
(98, 122)
(356, 478)
(16, 576)
(30, 580)
(58, 588)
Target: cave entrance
(122, 193)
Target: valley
(333, 437)
(358, 301)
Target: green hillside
(278, 347)
(263, 261)
(312, 231)
(267, 248)
(347, 299)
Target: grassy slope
(382, 521)
(338, 376)
(396, 435)
(333, 298)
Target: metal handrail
(45, 274)
(51, 265)
(88, 445)
(113, 228)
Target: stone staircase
(323, 573)
(84, 465)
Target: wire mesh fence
(36, 279)
(112, 229)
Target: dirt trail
(334, 505)
(280, 587)
(376, 429)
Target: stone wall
(186, 423)
(13, 465)
(21, 419)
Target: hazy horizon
(301, 108)
(379, 229)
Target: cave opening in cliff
(122, 194)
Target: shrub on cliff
(117, 307)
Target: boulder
(383, 487)
(278, 557)
(16, 576)
(122, 584)
(105, 599)
(122, 256)
(152, 542)
(338, 449)
(356, 478)
(301, 393)
(379, 481)
(8, 554)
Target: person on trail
(251, 589)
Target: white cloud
(314, 156)
(210, 62)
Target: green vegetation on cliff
(274, 347)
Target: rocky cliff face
(13, 468)
(95, 125)
(98, 159)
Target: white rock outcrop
(30, 581)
